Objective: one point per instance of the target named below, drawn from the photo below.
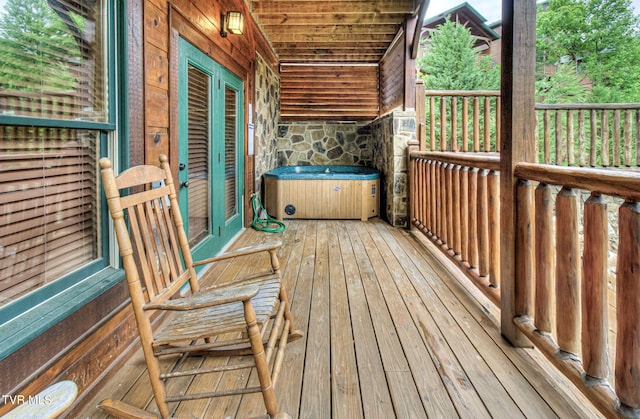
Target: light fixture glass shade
(234, 23)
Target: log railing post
(493, 184)
(473, 218)
(483, 224)
(595, 325)
(627, 371)
(545, 260)
(568, 272)
(524, 249)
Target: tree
(36, 48)
(450, 61)
(601, 38)
(563, 86)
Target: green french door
(210, 171)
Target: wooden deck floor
(390, 332)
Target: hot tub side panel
(321, 199)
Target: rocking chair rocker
(242, 317)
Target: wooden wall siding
(392, 77)
(328, 92)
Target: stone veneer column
(267, 115)
(391, 135)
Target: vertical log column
(595, 325)
(568, 272)
(627, 375)
(516, 145)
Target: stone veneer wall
(267, 115)
(324, 143)
(390, 137)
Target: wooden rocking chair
(158, 264)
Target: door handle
(184, 184)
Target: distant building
(487, 37)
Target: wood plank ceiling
(326, 31)
(330, 52)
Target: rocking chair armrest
(207, 299)
(249, 250)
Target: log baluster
(627, 367)
(454, 123)
(455, 213)
(432, 123)
(425, 186)
(465, 124)
(483, 223)
(443, 124)
(449, 195)
(487, 124)
(545, 260)
(433, 184)
(604, 138)
(493, 184)
(628, 145)
(473, 218)
(570, 139)
(558, 138)
(595, 326)
(524, 248)
(442, 185)
(464, 213)
(476, 124)
(582, 138)
(593, 152)
(567, 272)
(547, 137)
(616, 138)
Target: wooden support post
(517, 139)
(627, 379)
(595, 326)
(568, 272)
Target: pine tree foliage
(450, 61)
(37, 51)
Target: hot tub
(322, 192)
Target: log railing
(562, 297)
(455, 202)
(606, 135)
(459, 120)
(596, 135)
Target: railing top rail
(586, 106)
(619, 183)
(488, 161)
(467, 93)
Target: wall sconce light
(232, 22)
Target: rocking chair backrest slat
(154, 246)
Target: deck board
(389, 332)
